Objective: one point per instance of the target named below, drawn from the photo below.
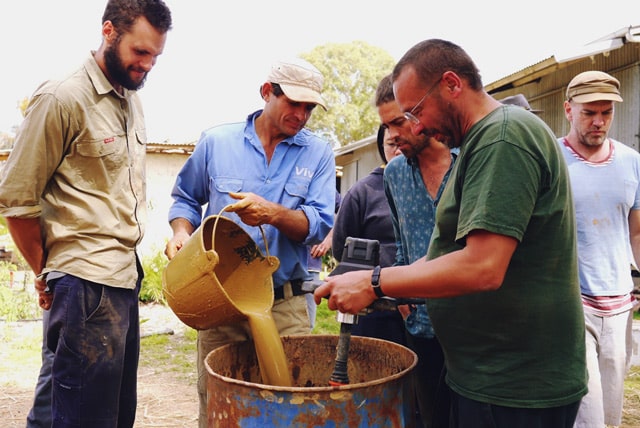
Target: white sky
(219, 51)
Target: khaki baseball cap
(591, 86)
(299, 80)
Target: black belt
(296, 289)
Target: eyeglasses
(410, 114)
(392, 145)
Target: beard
(117, 70)
(438, 135)
(447, 131)
(417, 146)
(450, 142)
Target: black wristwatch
(375, 282)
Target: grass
(631, 409)
(22, 342)
(326, 322)
(177, 356)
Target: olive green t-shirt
(523, 344)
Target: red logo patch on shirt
(109, 140)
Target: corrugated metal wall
(357, 160)
(357, 165)
(547, 93)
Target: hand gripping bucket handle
(219, 271)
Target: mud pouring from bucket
(220, 277)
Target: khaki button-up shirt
(78, 164)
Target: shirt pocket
(227, 184)
(99, 163)
(96, 149)
(295, 193)
(141, 136)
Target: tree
(352, 72)
(6, 138)
(22, 106)
(6, 141)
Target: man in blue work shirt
(273, 173)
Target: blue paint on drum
(379, 373)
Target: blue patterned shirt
(413, 213)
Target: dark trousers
(95, 335)
(466, 413)
(40, 414)
(386, 325)
(432, 392)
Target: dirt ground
(166, 399)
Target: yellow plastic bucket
(217, 272)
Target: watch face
(375, 276)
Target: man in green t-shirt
(501, 272)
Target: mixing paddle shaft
(340, 375)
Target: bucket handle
(215, 224)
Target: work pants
(40, 414)
(94, 333)
(609, 346)
(431, 390)
(467, 413)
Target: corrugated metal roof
(165, 147)
(543, 67)
(351, 147)
(606, 43)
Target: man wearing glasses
(500, 277)
(413, 184)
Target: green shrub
(18, 305)
(18, 301)
(5, 272)
(329, 263)
(151, 289)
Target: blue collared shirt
(300, 176)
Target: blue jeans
(40, 414)
(95, 334)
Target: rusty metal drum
(379, 372)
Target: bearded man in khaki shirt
(73, 195)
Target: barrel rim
(308, 389)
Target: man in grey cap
(605, 181)
(275, 174)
